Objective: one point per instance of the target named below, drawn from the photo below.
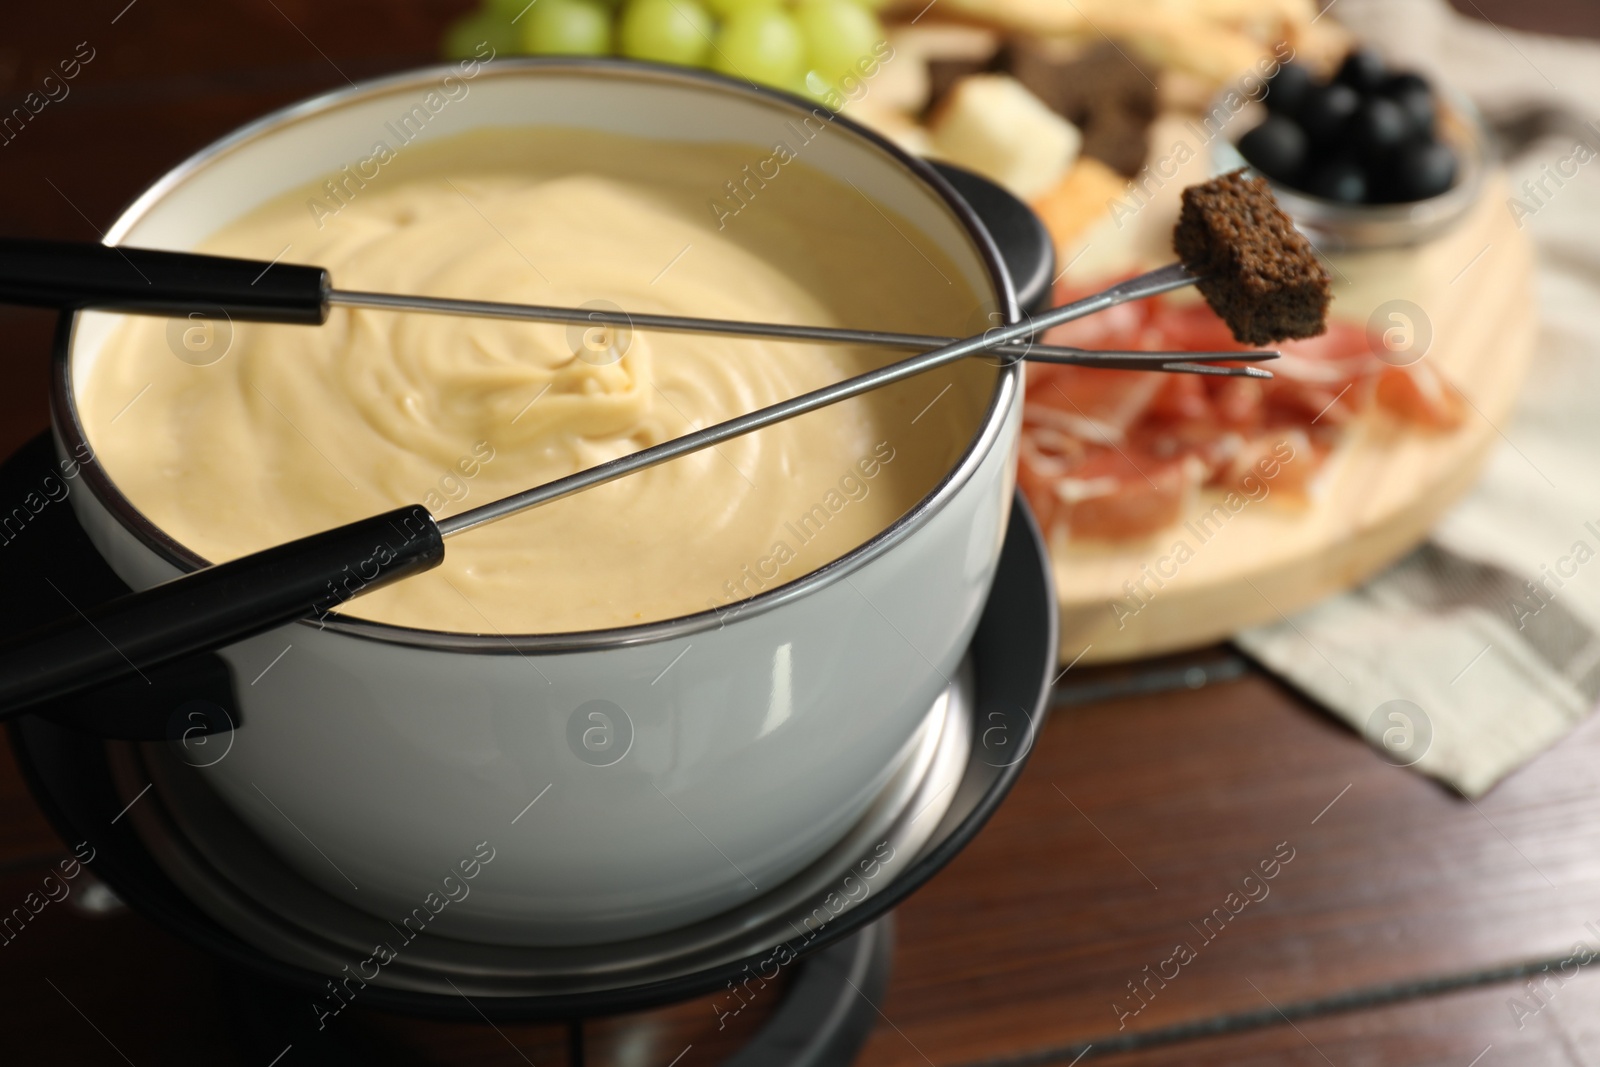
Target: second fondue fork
(67, 275)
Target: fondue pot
(578, 789)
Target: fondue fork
(228, 602)
(64, 274)
(626, 320)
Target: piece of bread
(1217, 41)
(1256, 270)
(946, 52)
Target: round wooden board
(1376, 497)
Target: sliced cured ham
(1117, 455)
(1418, 393)
(1113, 494)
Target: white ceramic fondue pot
(592, 794)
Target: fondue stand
(116, 767)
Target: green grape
(515, 9)
(566, 27)
(667, 31)
(838, 35)
(462, 39)
(815, 87)
(728, 8)
(761, 44)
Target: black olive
(1378, 128)
(1383, 185)
(1340, 178)
(1276, 148)
(1362, 70)
(1415, 97)
(1326, 111)
(1286, 90)
(1421, 169)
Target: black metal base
(827, 1012)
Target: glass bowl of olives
(1369, 158)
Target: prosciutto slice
(1117, 455)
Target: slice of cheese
(992, 125)
(1079, 200)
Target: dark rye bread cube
(1081, 84)
(1104, 91)
(1119, 141)
(1256, 270)
(945, 72)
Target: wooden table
(1400, 926)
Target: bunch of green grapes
(804, 46)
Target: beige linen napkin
(1482, 648)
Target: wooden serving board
(1378, 493)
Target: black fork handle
(215, 606)
(66, 274)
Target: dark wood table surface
(1404, 924)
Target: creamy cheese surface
(296, 429)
